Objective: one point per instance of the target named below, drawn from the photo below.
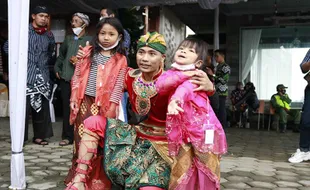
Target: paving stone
(264, 173)
(4, 179)
(261, 184)
(6, 157)
(60, 153)
(60, 160)
(286, 178)
(30, 157)
(240, 173)
(49, 156)
(236, 185)
(42, 186)
(286, 173)
(223, 180)
(33, 168)
(46, 164)
(305, 182)
(284, 188)
(262, 178)
(32, 179)
(238, 179)
(287, 184)
(59, 168)
(39, 160)
(303, 188)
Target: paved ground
(256, 160)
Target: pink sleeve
(184, 92)
(169, 81)
(119, 86)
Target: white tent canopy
(18, 14)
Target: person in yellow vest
(281, 102)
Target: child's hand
(74, 107)
(174, 108)
(80, 54)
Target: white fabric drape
(250, 41)
(274, 64)
(18, 14)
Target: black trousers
(214, 101)
(222, 111)
(41, 121)
(67, 129)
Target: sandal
(64, 142)
(40, 141)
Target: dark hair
(110, 11)
(221, 52)
(238, 83)
(249, 86)
(201, 48)
(118, 26)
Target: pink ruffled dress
(191, 125)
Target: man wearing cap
(281, 102)
(64, 68)
(41, 45)
(303, 152)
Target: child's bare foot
(77, 183)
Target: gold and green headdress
(153, 40)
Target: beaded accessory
(145, 90)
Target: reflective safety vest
(282, 103)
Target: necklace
(144, 90)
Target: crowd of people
(174, 135)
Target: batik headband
(153, 40)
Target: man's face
(104, 14)
(218, 58)
(40, 19)
(149, 60)
(76, 22)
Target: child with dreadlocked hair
(196, 139)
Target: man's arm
(286, 98)
(305, 64)
(61, 57)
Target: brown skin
(149, 62)
(40, 20)
(104, 13)
(306, 66)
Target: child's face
(108, 35)
(185, 55)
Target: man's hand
(174, 108)
(57, 75)
(73, 60)
(287, 110)
(209, 71)
(202, 80)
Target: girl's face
(149, 60)
(108, 35)
(185, 55)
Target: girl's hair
(118, 26)
(201, 48)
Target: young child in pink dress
(195, 136)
